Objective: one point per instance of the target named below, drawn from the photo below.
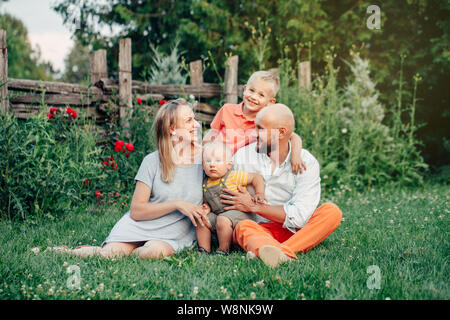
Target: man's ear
(283, 132)
(244, 87)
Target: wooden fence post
(125, 93)
(304, 74)
(196, 72)
(98, 66)
(4, 99)
(231, 80)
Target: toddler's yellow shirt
(235, 178)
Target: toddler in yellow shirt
(217, 165)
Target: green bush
(51, 166)
(44, 165)
(121, 165)
(346, 129)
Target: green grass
(404, 232)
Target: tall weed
(346, 129)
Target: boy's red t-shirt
(234, 128)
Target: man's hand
(240, 200)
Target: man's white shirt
(299, 194)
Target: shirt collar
(288, 157)
(239, 109)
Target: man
(289, 222)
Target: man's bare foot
(273, 256)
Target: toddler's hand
(259, 198)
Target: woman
(166, 203)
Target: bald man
(290, 222)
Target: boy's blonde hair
(266, 76)
(218, 145)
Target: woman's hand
(192, 211)
(205, 209)
(204, 216)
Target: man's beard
(263, 148)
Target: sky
(45, 28)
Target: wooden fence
(104, 93)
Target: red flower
(117, 194)
(50, 115)
(105, 163)
(161, 102)
(129, 146)
(139, 100)
(72, 112)
(119, 145)
(86, 182)
(53, 109)
(98, 194)
(127, 154)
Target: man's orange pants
(251, 236)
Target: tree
(23, 61)
(77, 64)
(297, 30)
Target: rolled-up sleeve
(305, 197)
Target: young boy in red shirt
(234, 124)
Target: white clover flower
(344, 130)
(250, 255)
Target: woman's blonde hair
(165, 119)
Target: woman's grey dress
(174, 228)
